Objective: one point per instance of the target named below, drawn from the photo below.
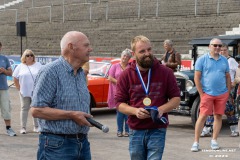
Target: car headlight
(189, 85)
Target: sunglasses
(216, 45)
(29, 55)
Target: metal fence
(105, 10)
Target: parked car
(98, 83)
(190, 98)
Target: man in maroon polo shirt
(146, 91)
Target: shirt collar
(209, 56)
(171, 52)
(67, 66)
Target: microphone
(98, 125)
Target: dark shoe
(119, 134)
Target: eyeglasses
(29, 55)
(216, 45)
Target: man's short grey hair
(214, 40)
(169, 42)
(63, 42)
(127, 52)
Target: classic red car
(98, 83)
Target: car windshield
(99, 68)
(201, 50)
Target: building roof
(228, 39)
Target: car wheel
(195, 110)
(238, 106)
(92, 103)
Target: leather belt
(77, 136)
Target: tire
(92, 103)
(238, 107)
(195, 111)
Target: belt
(77, 136)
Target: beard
(145, 62)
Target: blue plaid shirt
(56, 86)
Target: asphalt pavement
(107, 146)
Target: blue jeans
(54, 147)
(147, 144)
(122, 119)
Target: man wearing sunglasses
(230, 111)
(213, 83)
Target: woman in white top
(24, 76)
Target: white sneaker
(35, 129)
(234, 134)
(206, 132)
(214, 145)
(195, 147)
(23, 131)
(10, 132)
(234, 130)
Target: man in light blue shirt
(5, 70)
(213, 83)
(61, 102)
(230, 111)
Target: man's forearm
(126, 109)
(170, 105)
(50, 113)
(8, 72)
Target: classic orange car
(98, 83)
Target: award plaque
(147, 101)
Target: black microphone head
(105, 129)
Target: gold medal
(147, 101)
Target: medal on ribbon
(146, 101)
